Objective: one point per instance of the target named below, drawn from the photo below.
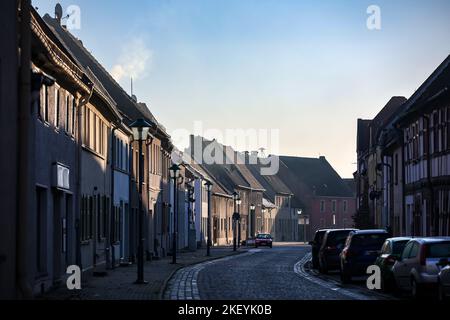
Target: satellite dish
(58, 12)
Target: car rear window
(319, 236)
(438, 250)
(337, 237)
(399, 246)
(369, 240)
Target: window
(407, 250)
(414, 251)
(86, 218)
(44, 104)
(344, 206)
(334, 219)
(435, 132)
(57, 107)
(322, 206)
(333, 206)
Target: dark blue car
(361, 250)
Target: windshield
(438, 250)
(263, 236)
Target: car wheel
(386, 285)
(416, 290)
(345, 277)
(322, 268)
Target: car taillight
(330, 248)
(423, 255)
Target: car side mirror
(443, 262)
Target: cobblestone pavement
(280, 273)
(183, 285)
(118, 284)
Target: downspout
(111, 250)
(131, 222)
(25, 137)
(83, 101)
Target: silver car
(418, 267)
(444, 280)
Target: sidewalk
(119, 283)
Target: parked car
(362, 248)
(316, 243)
(263, 239)
(332, 245)
(444, 280)
(418, 267)
(390, 252)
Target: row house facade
(411, 166)
(372, 164)
(426, 142)
(321, 198)
(12, 76)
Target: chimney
(58, 13)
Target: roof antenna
(131, 86)
(58, 12)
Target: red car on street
(263, 239)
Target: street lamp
(252, 220)
(174, 174)
(263, 212)
(140, 130)
(238, 202)
(209, 185)
(235, 218)
(300, 212)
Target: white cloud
(134, 60)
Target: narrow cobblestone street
(277, 274)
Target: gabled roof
(317, 175)
(362, 136)
(394, 107)
(271, 183)
(128, 108)
(436, 84)
(230, 175)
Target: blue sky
(308, 68)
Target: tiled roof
(128, 108)
(271, 183)
(316, 174)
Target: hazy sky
(307, 68)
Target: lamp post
(140, 130)
(238, 202)
(235, 219)
(174, 174)
(252, 220)
(300, 212)
(263, 213)
(209, 185)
